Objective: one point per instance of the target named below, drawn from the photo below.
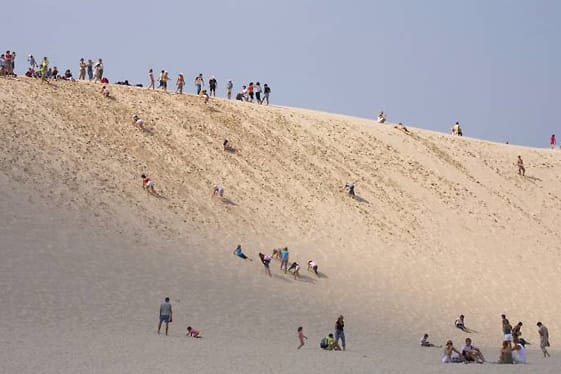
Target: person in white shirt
(472, 353)
(312, 266)
(137, 121)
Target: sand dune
(443, 225)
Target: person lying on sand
(400, 126)
(239, 252)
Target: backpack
(323, 343)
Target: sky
(492, 65)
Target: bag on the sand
(323, 343)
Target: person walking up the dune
(166, 315)
(313, 266)
(217, 190)
(151, 80)
(180, 83)
(284, 259)
(544, 338)
(340, 331)
(301, 336)
(266, 93)
(350, 187)
(266, 260)
(212, 86)
(552, 141)
(229, 87)
(148, 185)
(520, 164)
(295, 270)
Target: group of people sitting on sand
(281, 254)
(512, 351)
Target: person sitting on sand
(457, 129)
(105, 91)
(506, 354)
(148, 184)
(313, 266)
(205, 95)
(425, 342)
(519, 353)
(332, 345)
(472, 353)
(460, 323)
(227, 146)
(137, 121)
(294, 269)
(193, 332)
(350, 187)
(451, 354)
(381, 117)
(217, 190)
(239, 252)
(266, 260)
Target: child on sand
(239, 252)
(266, 260)
(459, 323)
(425, 342)
(313, 266)
(451, 354)
(148, 184)
(350, 187)
(295, 270)
(217, 190)
(105, 91)
(137, 121)
(301, 336)
(193, 332)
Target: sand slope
(443, 226)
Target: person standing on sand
(166, 315)
(199, 83)
(284, 259)
(151, 80)
(212, 86)
(301, 336)
(266, 93)
(180, 83)
(229, 87)
(83, 66)
(552, 141)
(32, 63)
(520, 164)
(89, 67)
(544, 339)
(340, 332)
(257, 91)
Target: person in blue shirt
(239, 252)
(284, 259)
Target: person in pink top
(193, 332)
(301, 336)
(552, 141)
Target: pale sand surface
(444, 227)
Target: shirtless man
(544, 339)
(520, 164)
(165, 314)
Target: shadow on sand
(227, 201)
(360, 199)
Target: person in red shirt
(148, 184)
(552, 141)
